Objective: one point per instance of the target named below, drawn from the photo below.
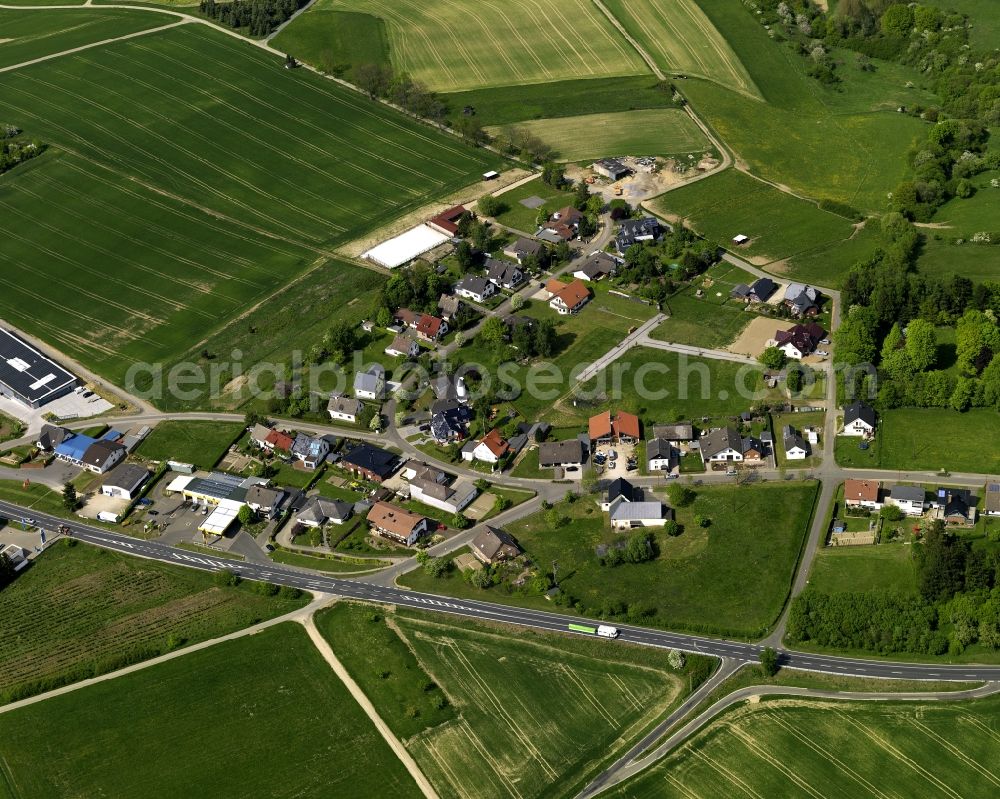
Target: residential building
(447, 221)
(477, 289)
(859, 420)
(611, 168)
(51, 436)
(452, 498)
(15, 555)
(800, 340)
(622, 428)
(723, 444)
(561, 454)
(503, 274)
(863, 494)
(278, 440)
(310, 451)
(403, 347)
(493, 545)
(397, 524)
(28, 376)
(370, 384)
(431, 328)
(801, 300)
(125, 481)
(954, 506)
(404, 317)
(344, 409)
(490, 449)
(94, 455)
(633, 231)
(632, 515)
(991, 505)
(762, 290)
(620, 490)
(570, 298)
(522, 249)
(596, 266)
(449, 306)
(909, 499)
(661, 455)
(796, 447)
(370, 463)
(741, 292)
(450, 420)
(265, 500)
(753, 449)
(320, 510)
(562, 225)
(418, 470)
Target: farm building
(404, 248)
(28, 376)
(125, 482)
(447, 221)
(611, 168)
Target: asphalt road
(486, 611)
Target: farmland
(201, 444)
(779, 225)
(35, 35)
(82, 611)
(173, 717)
(798, 747)
(724, 579)
(680, 38)
(335, 41)
(664, 131)
(452, 46)
(501, 689)
(244, 183)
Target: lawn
(31, 35)
(985, 24)
(196, 188)
(334, 41)
(657, 131)
(729, 579)
(779, 225)
(845, 143)
(963, 218)
(930, 439)
(885, 567)
(503, 105)
(452, 45)
(80, 611)
(799, 421)
(681, 39)
(796, 747)
(454, 690)
(977, 262)
(244, 695)
(201, 444)
(519, 216)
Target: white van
(607, 632)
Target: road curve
(362, 590)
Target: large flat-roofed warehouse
(28, 376)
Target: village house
(403, 347)
(620, 490)
(310, 451)
(125, 481)
(724, 444)
(561, 454)
(680, 433)
(370, 384)
(265, 500)
(953, 506)
(759, 292)
(319, 511)
(633, 231)
(567, 298)
(911, 500)
(800, 340)
(449, 420)
(661, 455)
(503, 274)
(859, 420)
(801, 300)
(397, 524)
(452, 498)
(490, 448)
(344, 409)
(94, 455)
(596, 266)
(991, 506)
(796, 447)
(562, 225)
(370, 463)
(620, 429)
(449, 307)
(493, 545)
(632, 515)
(431, 328)
(862, 494)
(477, 289)
(522, 249)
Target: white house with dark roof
(859, 420)
(503, 274)
(912, 500)
(796, 447)
(991, 503)
(370, 384)
(125, 481)
(477, 289)
(344, 409)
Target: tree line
(257, 17)
(14, 148)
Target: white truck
(605, 631)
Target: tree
(545, 338)
(491, 206)
(375, 425)
(680, 496)
(552, 174)
(676, 659)
(493, 333)
(897, 21)
(921, 344)
(517, 302)
(671, 528)
(460, 339)
(772, 358)
(769, 661)
(245, 515)
(372, 79)
(581, 195)
(460, 521)
(70, 498)
(702, 520)
(793, 380)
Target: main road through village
(361, 590)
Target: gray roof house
(504, 274)
(344, 408)
(560, 453)
(722, 444)
(370, 384)
(319, 510)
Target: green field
(985, 24)
(451, 45)
(929, 439)
(886, 567)
(194, 189)
(334, 41)
(963, 218)
(663, 131)
(81, 611)
(680, 38)
(845, 143)
(519, 216)
(30, 35)
(978, 263)
(201, 444)
(779, 225)
(729, 579)
(797, 747)
(502, 689)
(503, 105)
(205, 724)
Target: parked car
(822, 353)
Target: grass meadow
(680, 38)
(779, 225)
(657, 131)
(462, 44)
(731, 578)
(334, 41)
(80, 611)
(796, 747)
(176, 718)
(199, 443)
(546, 708)
(27, 36)
(886, 567)
(194, 189)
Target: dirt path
(359, 696)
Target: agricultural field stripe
(102, 43)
